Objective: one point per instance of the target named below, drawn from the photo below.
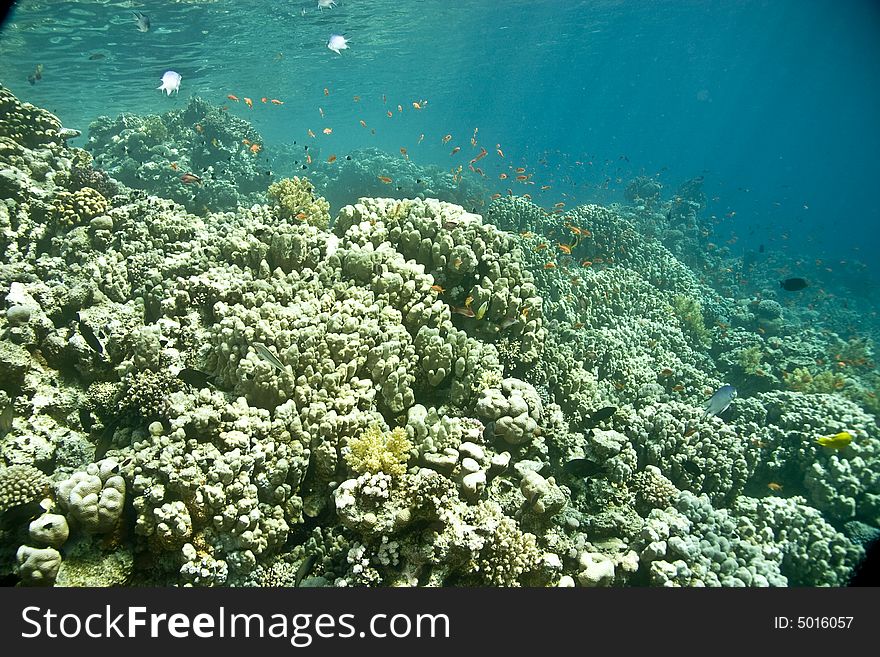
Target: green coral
(378, 451)
(802, 380)
(749, 359)
(294, 199)
(690, 314)
(145, 394)
(155, 129)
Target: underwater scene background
(438, 293)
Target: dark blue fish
(793, 284)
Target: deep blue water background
(775, 102)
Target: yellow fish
(481, 311)
(837, 441)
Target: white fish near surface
(719, 402)
(337, 42)
(170, 82)
(326, 3)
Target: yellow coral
(690, 314)
(294, 199)
(802, 380)
(378, 451)
(69, 210)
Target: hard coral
(21, 485)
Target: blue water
(774, 102)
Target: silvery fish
(263, 351)
(719, 402)
(142, 21)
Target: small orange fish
(308, 159)
(332, 158)
(520, 170)
(550, 265)
(301, 216)
(544, 188)
(446, 139)
(541, 246)
(311, 134)
(438, 289)
(678, 388)
(499, 151)
(521, 177)
(326, 91)
(565, 248)
(467, 312)
(416, 105)
(249, 102)
(774, 486)
(327, 131)
(403, 152)
(483, 152)
(496, 195)
(363, 123)
(384, 179)
(666, 372)
(264, 100)
(586, 263)
(246, 142)
(231, 97)
(389, 114)
(174, 166)
(503, 176)
(527, 196)
(255, 148)
(559, 205)
(275, 101)
(455, 150)
(479, 171)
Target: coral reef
(411, 394)
(153, 152)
